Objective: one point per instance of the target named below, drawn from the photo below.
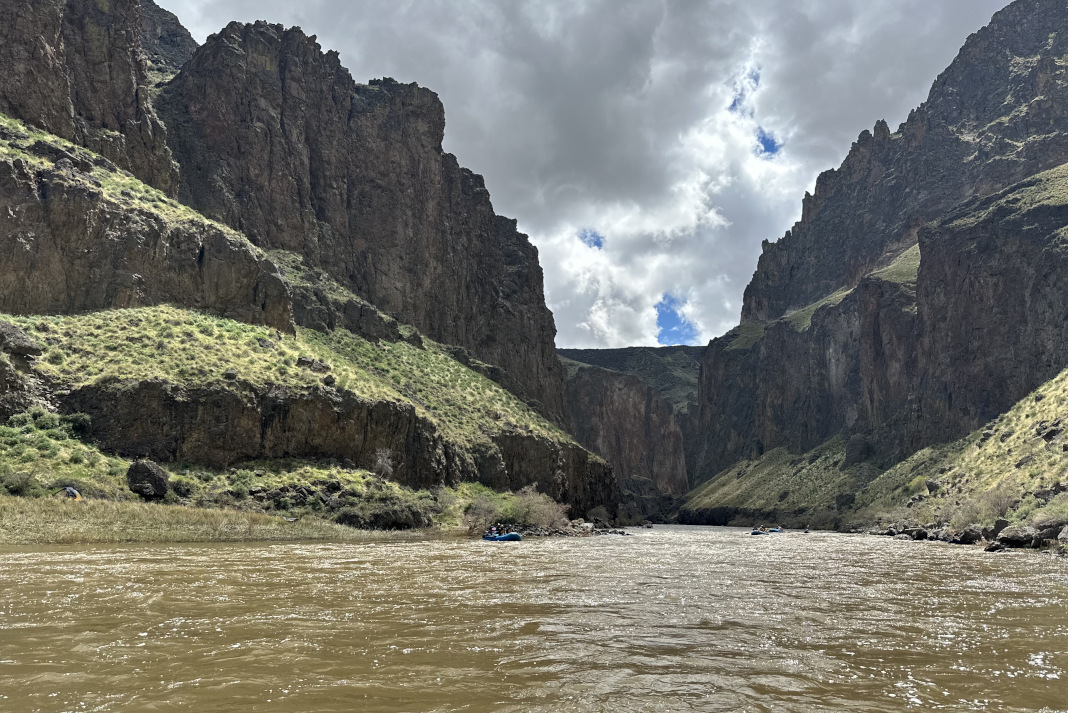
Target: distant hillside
(672, 371)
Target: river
(670, 619)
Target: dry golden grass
(40, 521)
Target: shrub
(1053, 514)
(382, 464)
(539, 510)
(969, 512)
(184, 487)
(484, 510)
(21, 484)
(1000, 500)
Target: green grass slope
(195, 349)
(780, 487)
(1015, 467)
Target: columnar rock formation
(74, 69)
(277, 140)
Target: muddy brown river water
(671, 619)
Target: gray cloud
(613, 115)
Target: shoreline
(51, 521)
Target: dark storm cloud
(614, 117)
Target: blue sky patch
(742, 90)
(673, 327)
(591, 238)
(769, 145)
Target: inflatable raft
(510, 537)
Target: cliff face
(633, 427)
(277, 140)
(672, 371)
(220, 425)
(851, 368)
(77, 235)
(166, 43)
(913, 300)
(993, 302)
(996, 116)
(75, 69)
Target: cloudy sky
(646, 146)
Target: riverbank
(50, 521)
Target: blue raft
(510, 537)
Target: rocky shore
(1002, 535)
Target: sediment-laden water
(671, 619)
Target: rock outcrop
(148, 480)
(633, 427)
(673, 371)
(75, 69)
(166, 43)
(996, 116)
(221, 425)
(73, 239)
(19, 387)
(276, 140)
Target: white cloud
(614, 115)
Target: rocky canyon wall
(633, 427)
(919, 294)
(277, 140)
(75, 69)
(994, 117)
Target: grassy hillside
(672, 371)
(1021, 453)
(190, 348)
(19, 141)
(784, 488)
(1011, 468)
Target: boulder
(1063, 536)
(991, 533)
(968, 536)
(15, 342)
(148, 480)
(1018, 536)
(916, 533)
(903, 537)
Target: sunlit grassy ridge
(1021, 452)
(194, 349)
(801, 489)
(745, 335)
(802, 319)
(17, 142)
(904, 269)
(1044, 190)
(1007, 461)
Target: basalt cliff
(276, 140)
(920, 296)
(233, 254)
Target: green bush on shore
(526, 507)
